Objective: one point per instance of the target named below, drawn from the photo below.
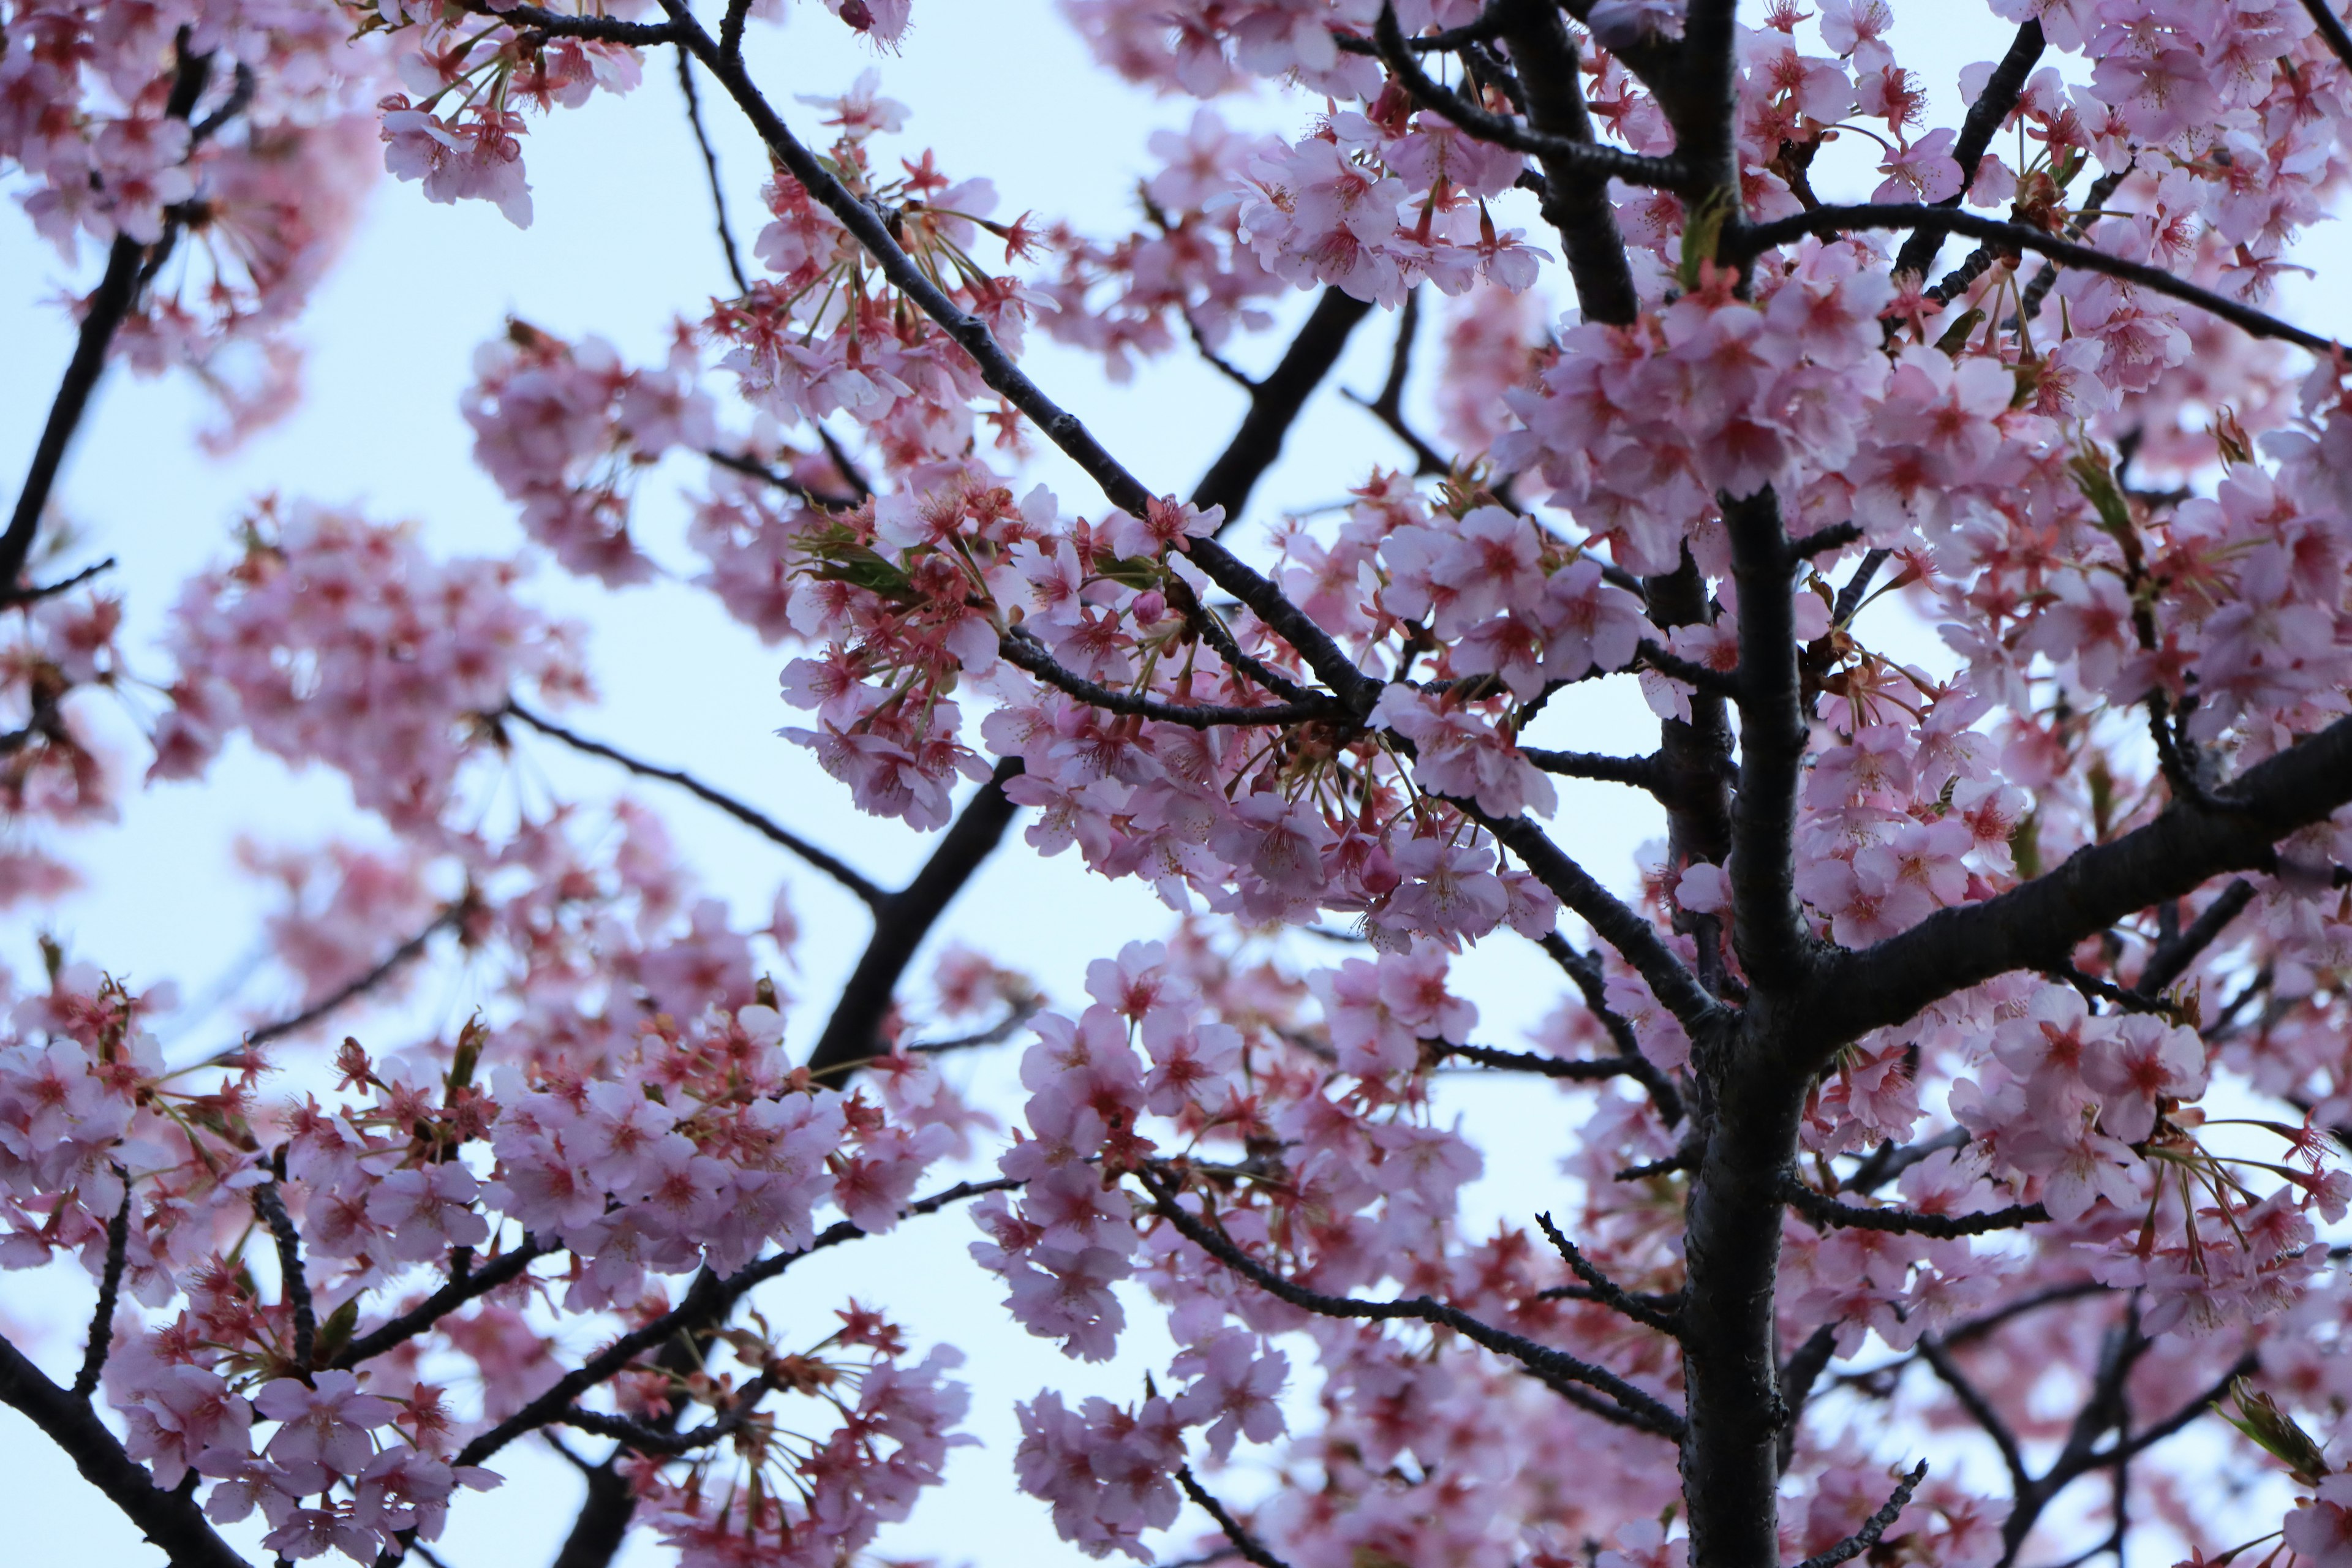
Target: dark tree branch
(171, 1519)
(567, 25)
(478, 1282)
(1768, 930)
(1932, 1351)
(650, 1439)
(1246, 1546)
(820, 859)
(2167, 859)
(1615, 923)
(1584, 969)
(1275, 403)
(2171, 959)
(1976, 1328)
(605, 1514)
(16, 598)
(1833, 220)
(1593, 1070)
(1985, 116)
(1445, 40)
(1553, 1368)
(1001, 375)
(2332, 29)
(710, 167)
(1607, 1291)
(1574, 199)
(1388, 404)
(1863, 1539)
(706, 1302)
(110, 1290)
(752, 468)
(1017, 648)
(904, 918)
(1849, 598)
(350, 990)
(1803, 1369)
(1889, 1160)
(1642, 772)
(1822, 541)
(1585, 158)
(1828, 1213)
(293, 1284)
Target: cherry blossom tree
(1965, 1070)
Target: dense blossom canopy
(1966, 1070)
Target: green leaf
(1701, 231)
(2273, 1431)
(335, 1332)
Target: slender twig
(819, 859)
(752, 468)
(1634, 1408)
(1614, 921)
(1589, 1070)
(1823, 1211)
(1584, 969)
(1607, 1291)
(2002, 91)
(707, 1299)
(110, 1290)
(107, 306)
(1980, 1411)
(1642, 772)
(650, 1439)
(1863, 1539)
(566, 24)
(710, 167)
(871, 229)
(1835, 220)
(1889, 1160)
(350, 990)
(1445, 40)
(2171, 960)
(1017, 648)
(16, 598)
(481, 1281)
(1246, 1546)
(293, 1284)
(1588, 158)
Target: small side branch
(1829, 221)
(1246, 1546)
(293, 1284)
(1634, 1408)
(1827, 1211)
(1586, 158)
(1589, 1070)
(905, 918)
(1275, 401)
(1985, 117)
(872, 896)
(710, 167)
(1607, 1291)
(1018, 649)
(1640, 772)
(109, 1292)
(2171, 960)
(353, 989)
(1863, 1539)
(481, 1281)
